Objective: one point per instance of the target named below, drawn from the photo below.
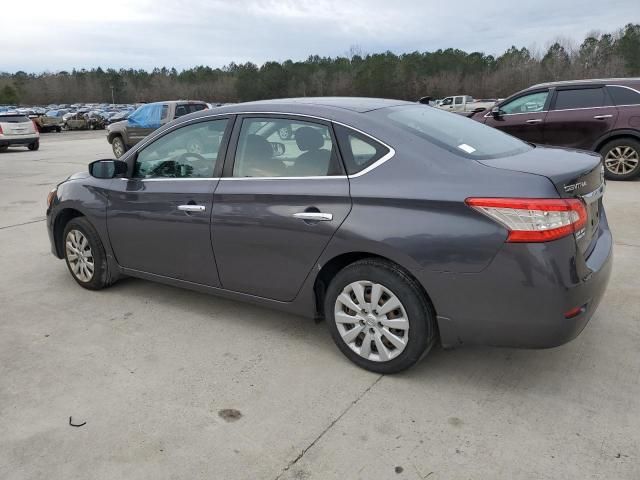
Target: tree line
(404, 76)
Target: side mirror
(496, 112)
(107, 168)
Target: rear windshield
(453, 132)
(13, 118)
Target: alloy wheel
(79, 255)
(372, 321)
(621, 160)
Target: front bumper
(521, 298)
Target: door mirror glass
(107, 168)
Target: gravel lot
(181, 385)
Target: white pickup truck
(464, 104)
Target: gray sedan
(399, 224)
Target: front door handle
(534, 120)
(602, 117)
(314, 216)
(192, 208)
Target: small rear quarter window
(624, 95)
(358, 151)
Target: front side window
(533, 102)
(580, 98)
(188, 152)
(275, 147)
(447, 101)
(455, 133)
(358, 150)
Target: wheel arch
(338, 262)
(59, 224)
(615, 135)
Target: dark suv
(598, 115)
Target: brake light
(35, 126)
(1, 130)
(533, 219)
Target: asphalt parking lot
(181, 385)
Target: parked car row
(85, 116)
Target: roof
(354, 104)
(589, 81)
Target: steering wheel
(199, 163)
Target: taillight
(35, 126)
(1, 130)
(533, 219)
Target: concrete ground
(180, 385)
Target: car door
(579, 116)
(159, 218)
(277, 205)
(522, 117)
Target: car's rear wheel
(84, 254)
(34, 146)
(4, 148)
(118, 146)
(378, 316)
(621, 159)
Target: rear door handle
(602, 117)
(534, 120)
(314, 216)
(192, 208)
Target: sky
(46, 35)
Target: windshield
(453, 132)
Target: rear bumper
(521, 298)
(7, 140)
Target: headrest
(257, 147)
(309, 138)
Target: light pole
(113, 102)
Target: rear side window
(358, 150)
(14, 118)
(458, 101)
(455, 133)
(624, 95)
(581, 98)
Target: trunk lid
(575, 174)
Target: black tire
(34, 146)
(4, 148)
(100, 277)
(58, 129)
(611, 165)
(422, 330)
(118, 146)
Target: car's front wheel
(621, 159)
(34, 146)
(378, 316)
(84, 254)
(118, 146)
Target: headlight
(51, 196)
